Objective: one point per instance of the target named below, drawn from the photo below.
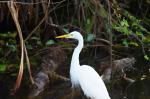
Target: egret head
(73, 35)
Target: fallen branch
(117, 65)
(54, 57)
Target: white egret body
(85, 76)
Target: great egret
(85, 76)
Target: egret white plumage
(85, 76)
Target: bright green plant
(131, 27)
(2, 68)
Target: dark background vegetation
(112, 29)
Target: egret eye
(71, 35)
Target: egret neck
(76, 53)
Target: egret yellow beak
(64, 36)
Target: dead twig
(14, 13)
(110, 31)
(29, 3)
(44, 18)
(28, 64)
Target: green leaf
(88, 25)
(134, 43)
(138, 33)
(39, 42)
(50, 42)
(35, 38)
(2, 67)
(8, 35)
(124, 23)
(88, 21)
(146, 57)
(65, 30)
(12, 47)
(90, 37)
(125, 42)
(29, 46)
(126, 31)
(146, 39)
